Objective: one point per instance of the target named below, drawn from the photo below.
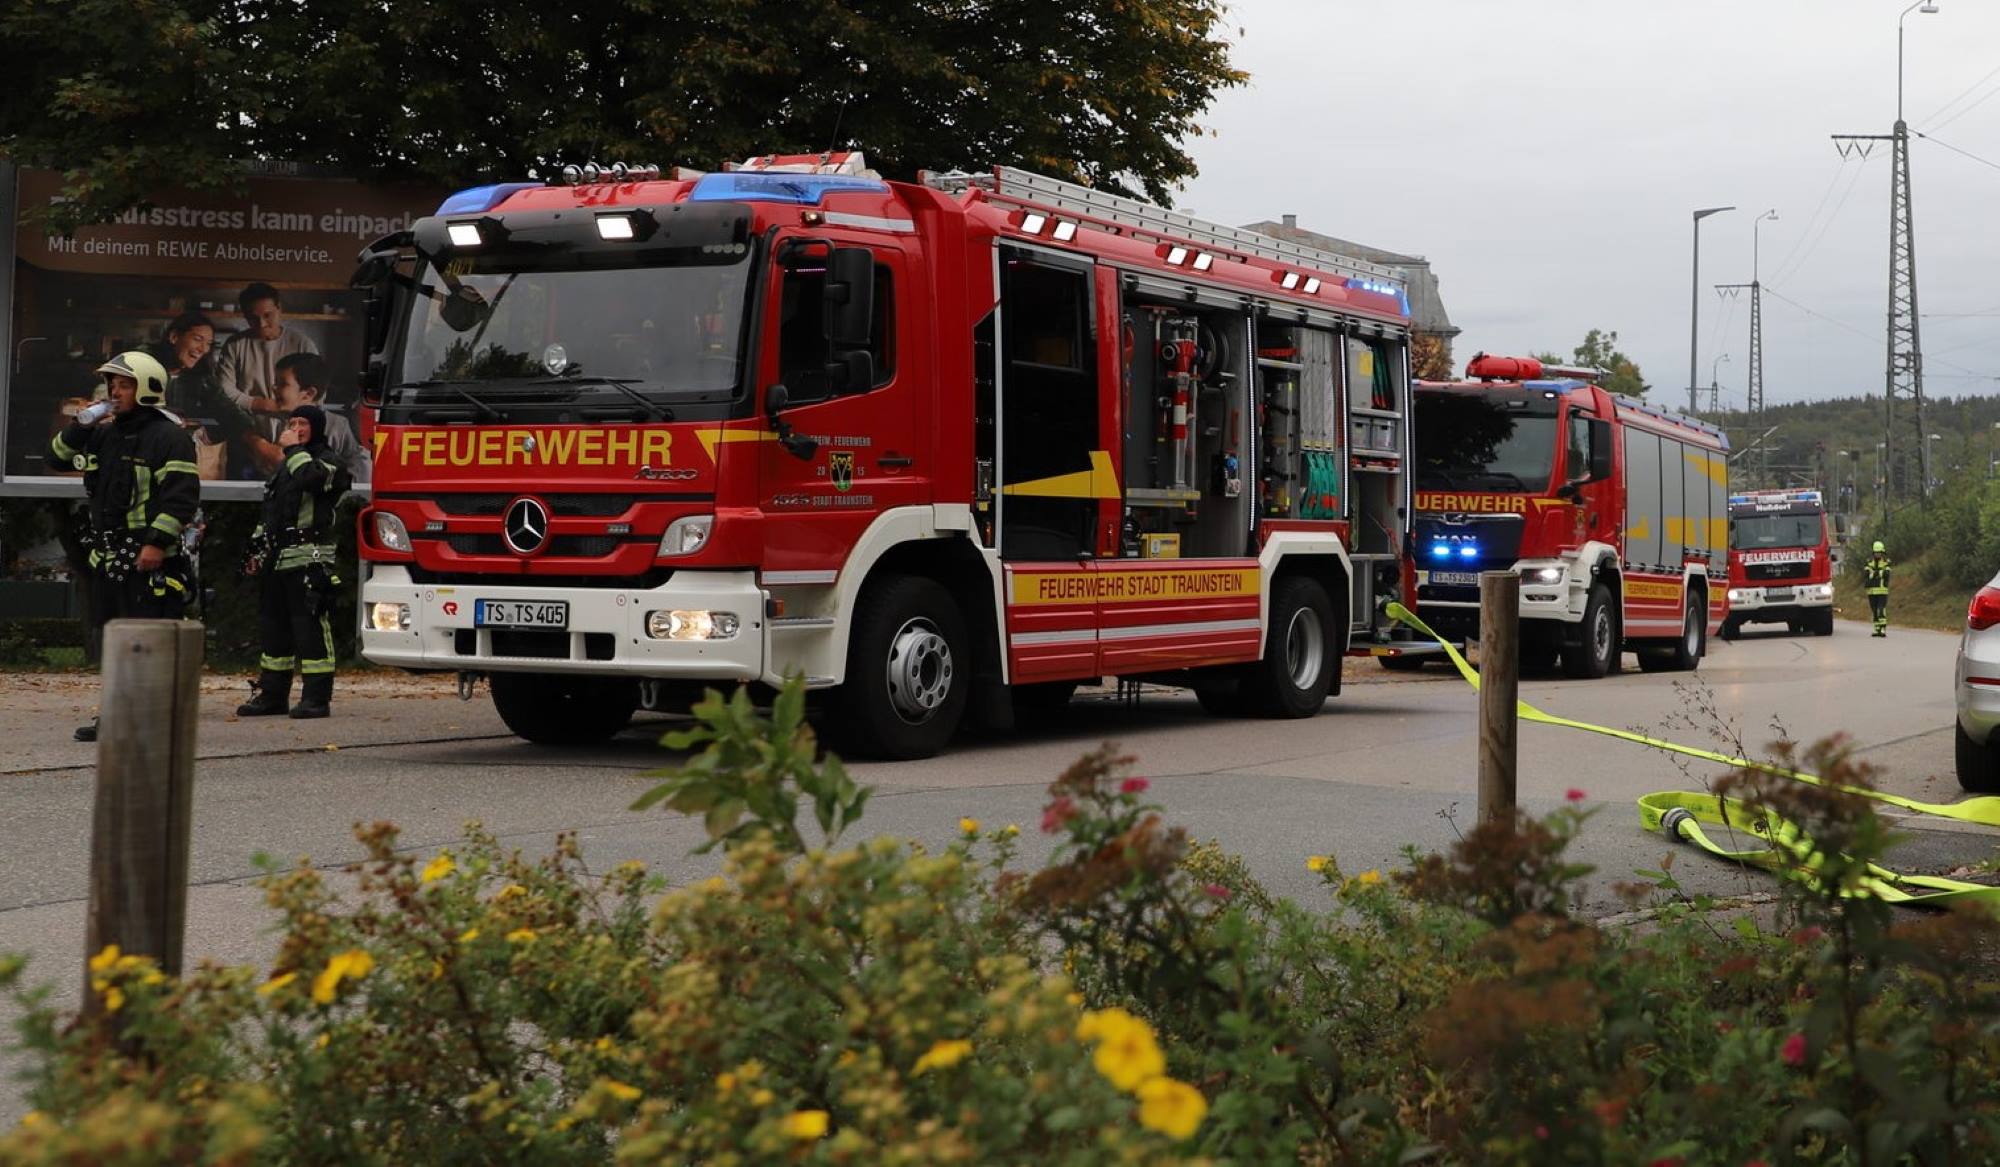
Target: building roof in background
(1427, 313)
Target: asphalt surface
(1389, 763)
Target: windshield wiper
(486, 410)
(623, 385)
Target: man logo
(840, 467)
(526, 527)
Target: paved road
(1386, 765)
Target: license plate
(1773, 595)
(1455, 579)
(520, 614)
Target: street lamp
(1694, 303)
(1715, 382)
(1921, 6)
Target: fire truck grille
(600, 506)
(1776, 570)
(535, 643)
(560, 546)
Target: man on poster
(247, 370)
(140, 477)
(302, 380)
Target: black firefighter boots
(315, 696)
(272, 692)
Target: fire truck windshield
(1481, 440)
(1752, 532)
(506, 322)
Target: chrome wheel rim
(920, 670)
(1693, 633)
(1600, 635)
(1305, 649)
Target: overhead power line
(1956, 150)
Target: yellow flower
(1319, 863)
(350, 965)
(114, 999)
(968, 826)
(806, 1124)
(520, 936)
(725, 1081)
(321, 1041)
(1010, 830)
(604, 1045)
(437, 970)
(1127, 1052)
(468, 936)
(1172, 1108)
(105, 960)
(276, 983)
(943, 1056)
(1369, 878)
(1075, 999)
(762, 1098)
(619, 1090)
(437, 868)
(33, 1118)
(509, 892)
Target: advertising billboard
(241, 294)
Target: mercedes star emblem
(526, 526)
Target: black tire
(1402, 664)
(1978, 766)
(1595, 653)
(908, 672)
(1687, 651)
(1731, 628)
(1823, 624)
(1044, 697)
(557, 709)
(1300, 657)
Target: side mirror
(374, 375)
(850, 297)
(852, 371)
(776, 399)
(1600, 450)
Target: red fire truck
(1612, 511)
(940, 448)
(1780, 562)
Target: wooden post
(1499, 690)
(145, 791)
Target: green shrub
(1134, 999)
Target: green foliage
(1134, 999)
(128, 99)
(1599, 350)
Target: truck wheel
(1686, 652)
(1978, 766)
(907, 672)
(1823, 624)
(1596, 650)
(1296, 673)
(1731, 628)
(557, 709)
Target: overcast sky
(1546, 156)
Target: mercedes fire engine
(1612, 511)
(1780, 562)
(942, 449)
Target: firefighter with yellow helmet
(140, 477)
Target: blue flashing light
(1440, 551)
(806, 190)
(1468, 551)
(1381, 288)
(480, 199)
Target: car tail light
(1984, 611)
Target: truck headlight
(680, 624)
(1736, 595)
(686, 535)
(390, 533)
(1541, 575)
(389, 617)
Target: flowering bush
(1135, 999)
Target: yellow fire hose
(1681, 816)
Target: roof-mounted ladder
(1082, 200)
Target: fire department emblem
(840, 468)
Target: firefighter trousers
(153, 595)
(1878, 606)
(292, 624)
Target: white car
(1978, 693)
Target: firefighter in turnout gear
(292, 549)
(1875, 574)
(143, 486)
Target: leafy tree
(1599, 350)
(131, 96)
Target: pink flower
(1217, 891)
(1573, 794)
(1134, 786)
(1794, 1050)
(1541, 1132)
(1807, 935)
(1058, 813)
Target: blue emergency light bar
(480, 199)
(806, 190)
(1777, 496)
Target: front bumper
(1753, 605)
(1548, 593)
(606, 632)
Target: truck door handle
(894, 461)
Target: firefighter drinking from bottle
(1875, 574)
(292, 549)
(140, 476)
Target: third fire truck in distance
(942, 449)
(1612, 511)
(1780, 562)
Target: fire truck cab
(942, 449)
